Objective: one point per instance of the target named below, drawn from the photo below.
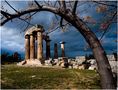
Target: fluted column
(55, 51)
(63, 49)
(32, 46)
(27, 47)
(39, 45)
(48, 48)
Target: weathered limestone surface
(82, 67)
(55, 51)
(39, 45)
(32, 34)
(63, 49)
(92, 67)
(29, 62)
(32, 46)
(111, 57)
(80, 59)
(47, 48)
(27, 47)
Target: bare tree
(67, 10)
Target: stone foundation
(33, 62)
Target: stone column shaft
(39, 45)
(55, 51)
(63, 49)
(32, 46)
(27, 47)
(47, 49)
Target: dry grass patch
(14, 77)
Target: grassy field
(14, 77)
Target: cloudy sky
(12, 33)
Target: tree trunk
(104, 68)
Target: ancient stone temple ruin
(34, 37)
(34, 45)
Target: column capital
(55, 43)
(38, 26)
(62, 42)
(47, 40)
(32, 34)
(27, 36)
(40, 30)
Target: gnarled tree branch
(12, 16)
(7, 15)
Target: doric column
(39, 45)
(47, 47)
(63, 49)
(32, 46)
(27, 47)
(55, 51)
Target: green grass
(14, 77)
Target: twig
(11, 7)
(75, 7)
(108, 26)
(105, 4)
(37, 4)
(56, 28)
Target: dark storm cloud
(13, 40)
(43, 18)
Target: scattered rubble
(79, 62)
